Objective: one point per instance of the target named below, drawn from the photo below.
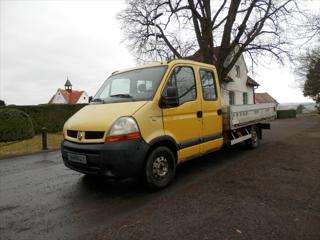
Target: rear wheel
(160, 168)
(253, 142)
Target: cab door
(183, 122)
(211, 111)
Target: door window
(208, 85)
(183, 78)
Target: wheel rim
(160, 167)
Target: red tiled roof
(264, 98)
(72, 96)
(252, 82)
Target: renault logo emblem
(80, 135)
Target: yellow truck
(147, 120)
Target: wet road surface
(272, 192)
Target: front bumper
(117, 159)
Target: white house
(240, 87)
(69, 96)
(240, 90)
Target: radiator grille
(72, 133)
(88, 134)
(94, 135)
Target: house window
(231, 98)
(245, 98)
(237, 70)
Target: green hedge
(286, 113)
(15, 125)
(51, 116)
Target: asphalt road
(272, 192)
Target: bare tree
(177, 28)
(313, 26)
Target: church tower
(68, 85)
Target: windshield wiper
(121, 95)
(98, 100)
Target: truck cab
(146, 121)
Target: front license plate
(77, 158)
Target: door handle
(219, 111)
(199, 114)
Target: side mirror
(171, 100)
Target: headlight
(125, 128)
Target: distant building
(69, 96)
(264, 98)
(238, 88)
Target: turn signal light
(129, 136)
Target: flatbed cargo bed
(238, 116)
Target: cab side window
(208, 85)
(183, 78)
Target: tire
(160, 168)
(253, 142)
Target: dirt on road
(272, 192)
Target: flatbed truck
(147, 120)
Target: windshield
(135, 85)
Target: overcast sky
(43, 42)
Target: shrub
(286, 113)
(15, 125)
(51, 116)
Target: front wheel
(253, 142)
(160, 168)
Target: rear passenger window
(208, 85)
(183, 79)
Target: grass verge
(29, 146)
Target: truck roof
(167, 63)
